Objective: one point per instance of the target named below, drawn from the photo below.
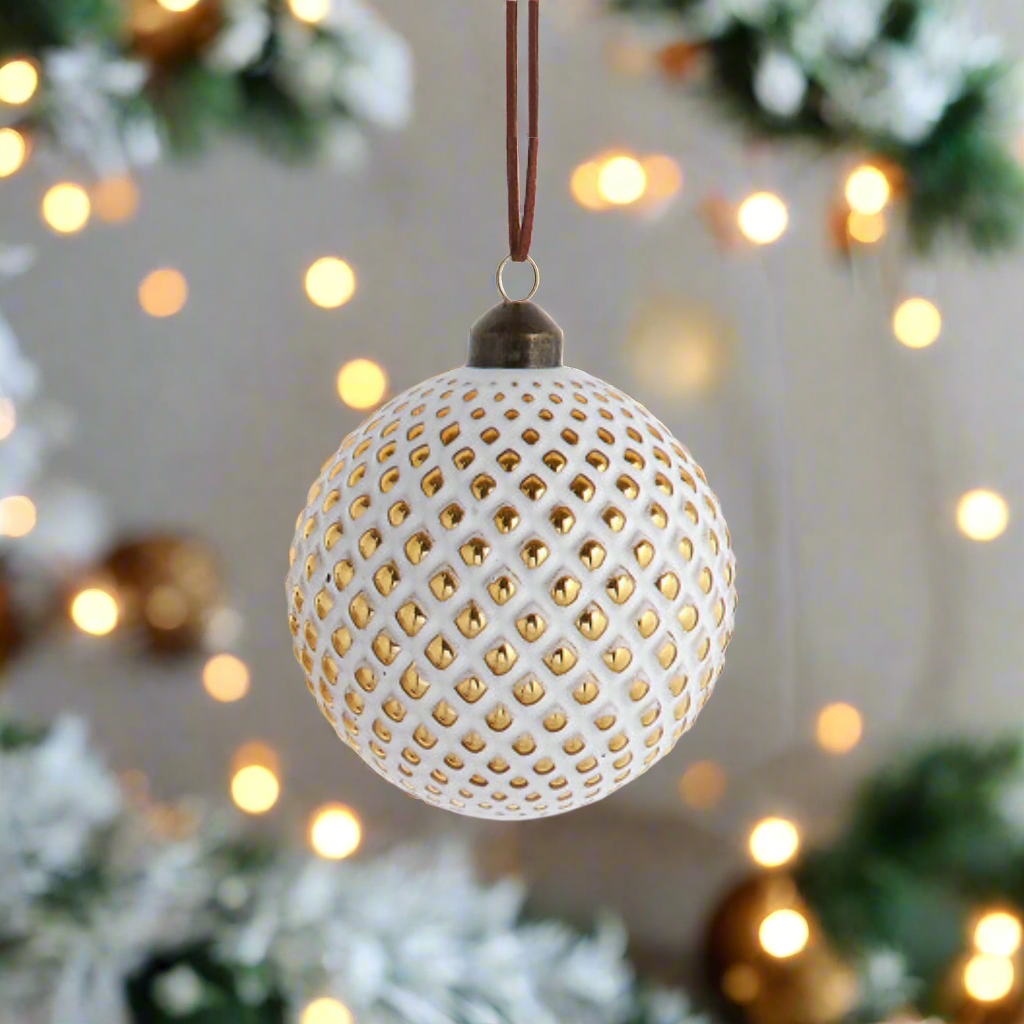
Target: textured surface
(511, 591)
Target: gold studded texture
(511, 591)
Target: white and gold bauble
(511, 589)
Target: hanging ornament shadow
(511, 589)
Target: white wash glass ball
(511, 590)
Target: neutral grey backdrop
(838, 455)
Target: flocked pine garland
(909, 82)
(935, 840)
(122, 912)
(120, 81)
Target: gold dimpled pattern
(511, 591)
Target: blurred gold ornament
(168, 32)
(11, 634)
(679, 60)
(169, 586)
(984, 988)
(770, 960)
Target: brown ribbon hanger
(520, 230)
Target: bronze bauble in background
(810, 986)
(10, 629)
(167, 37)
(169, 587)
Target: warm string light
(839, 728)
(8, 418)
(762, 218)
(619, 179)
(998, 933)
(866, 228)
(784, 933)
(311, 11)
(327, 1011)
(17, 516)
(255, 789)
(226, 678)
(166, 607)
(95, 611)
(163, 292)
(988, 978)
(774, 842)
(13, 150)
(982, 515)
(18, 82)
(255, 785)
(330, 282)
(115, 199)
(917, 322)
(361, 383)
(867, 190)
(622, 180)
(702, 785)
(66, 208)
(335, 832)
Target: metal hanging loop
(499, 279)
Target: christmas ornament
(769, 959)
(511, 589)
(169, 586)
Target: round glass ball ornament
(511, 589)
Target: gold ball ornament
(169, 587)
(11, 628)
(770, 961)
(166, 36)
(511, 589)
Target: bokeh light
(784, 933)
(773, 842)
(998, 934)
(702, 785)
(982, 514)
(8, 418)
(327, 1011)
(330, 282)
(585, 187)
(988, 978)
(18, 82)
(664, 176)
(95, 611)
(622, 180)
(310, 10)
(866, 228)
(917, 323)
(17, 516)
(867, 190)
(763, 218)
(226, 678)
(741, 983)
(66, 208)
(255, 789)
(361, 383)
(163, 292)
(177, 6)
(13, 149)
(839, 728)
(116, 198)
(335, 832)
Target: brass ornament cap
(511, 590)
